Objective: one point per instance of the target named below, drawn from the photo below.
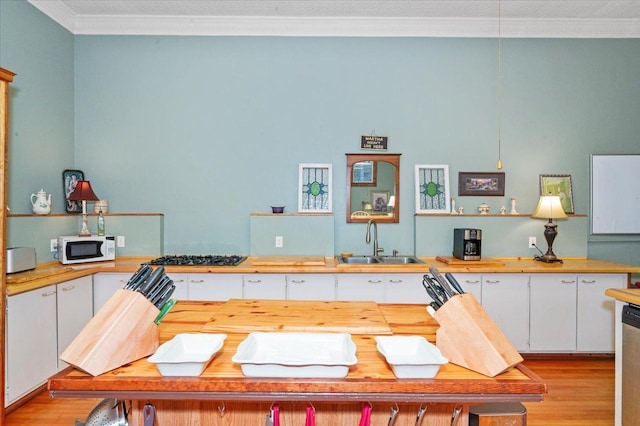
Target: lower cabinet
(264, 286)
(596, 312)
(32, 345)
(75, 310)
(405, 289)
(505, 297)
(311, 287)
(105, 285)
(213, 287)
(40, 325)
(360, 287)
(553, 312)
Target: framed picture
(314, 188)
(364, 173)
(70, 179)
(559, 185)
(380, 201)
(432, 189)
(481, 183)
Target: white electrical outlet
(279, 241)
(120, 241)
(532, 242)
(53, 245)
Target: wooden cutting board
(485, 261)
(243, 316)
(289, 261)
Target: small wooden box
(498, 414)
(468, 337)
(122, 331)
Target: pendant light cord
(499, 166)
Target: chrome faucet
(376, 249)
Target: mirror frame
(394, 160)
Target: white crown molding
(336, 27)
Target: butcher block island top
(371, 379)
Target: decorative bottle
(100, 223)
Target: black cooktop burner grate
(197, 260)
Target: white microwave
(75, 249)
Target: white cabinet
(405, 288)
(471, 283)
(505, 297)
(360, 287)
(32, 346)
(311, 287)
(596, 312)
(214, 287)
(553, 312)
(75, 310)
(105, 285)
(265, 286)
(181, 281)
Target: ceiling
(365, 18)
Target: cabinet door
(553, 312)
(75, 309)
(265, 286)
(215, 287)
(471, 283)
(311, 287)
(596, 312)
(505, 297)
(181, 282)
(32, 346)
(105, 285)
(360, 287)
(405, 288)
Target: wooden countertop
(371, 379)
(54, 272)
(628, 295)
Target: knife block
(468, 337)
(122, 331)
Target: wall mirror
(373, 188)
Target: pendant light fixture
(499, 165)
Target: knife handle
(150, 282)
(454, 282)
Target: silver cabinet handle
(492, 281)
(472, 281)
(48, 293)
(374, 281)
(395, 281)
(254, 281)
(567, 281)
(181, 281)
(71, 287)
(196, 281)
(298, 281)
(588, 281)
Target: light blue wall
(208, 130)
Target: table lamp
(84, 193)
(549, 207)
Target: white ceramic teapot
(41, 204)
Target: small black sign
(374, 142)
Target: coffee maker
(467, 243)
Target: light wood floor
(581, 393)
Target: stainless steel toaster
(20, 259)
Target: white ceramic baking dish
(306, 355)
(187, 354)
(410, 357)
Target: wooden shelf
(489, 215)
(80, 214)
(291, 214)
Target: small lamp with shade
(549, 207)
(83, 192)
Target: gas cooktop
(198, 260)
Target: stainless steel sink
(399, 260)
(388, 260)
(358, 260)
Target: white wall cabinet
(553, 312)
(311, 287)
(360, 287)
(75, 310)
(596, 312)
(264, 286)
(213, 287)
(505, 297)
(32, 345)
